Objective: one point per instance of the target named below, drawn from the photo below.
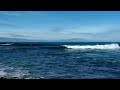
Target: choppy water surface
(60, 60)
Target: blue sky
(55, 25)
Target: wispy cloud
(88, 32)
(17, 35)
(12, 34)
(22, 13)
(8, 24)
(90, 29)
(96, 33)
(77, 33)
(93, 33)
(57, 29)
(80, 30)
(10, 13)
(111, 35)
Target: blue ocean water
(60, 60)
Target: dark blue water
(53, 61)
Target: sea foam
(10, 72)
(106, 46)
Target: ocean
(60, 60)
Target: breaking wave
(106, 46)
(58, 46)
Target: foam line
(106, 46)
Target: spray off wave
(106, 46)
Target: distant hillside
(4, 39)
(74, 40)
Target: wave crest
(106, 46)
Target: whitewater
(106, 46)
